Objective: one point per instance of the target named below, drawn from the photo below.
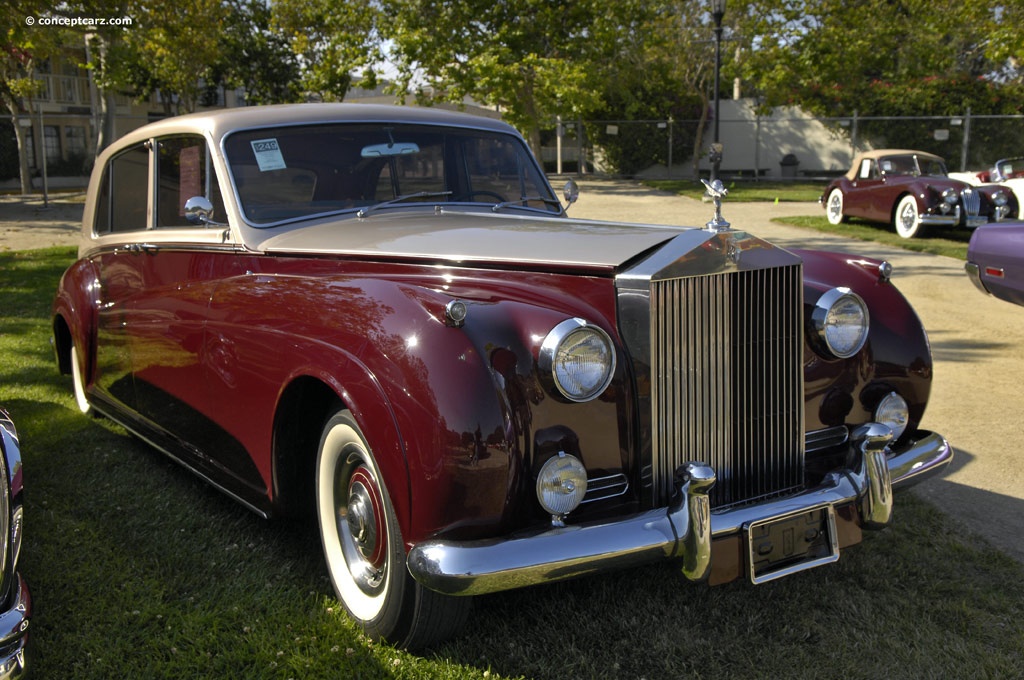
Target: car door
(181, 264)
(122, 215)
(862, 194)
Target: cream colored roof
(875, 154)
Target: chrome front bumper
(685, 530)
(14, 632)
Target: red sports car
(911, 191)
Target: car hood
(465, 237)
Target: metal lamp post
(717, 11)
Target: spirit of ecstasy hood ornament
(716, 190)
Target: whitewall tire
(907, 220)
(363, 546)
(834, 207)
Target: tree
(332, 40)
(533, 58)
(258, 56)
(824, 56)
(174, 48)
(666, 72)
(23, 45)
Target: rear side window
(124, 192)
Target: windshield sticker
(268, 154)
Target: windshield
(912, 165)
(288, 173)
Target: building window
(74, 138)
(51, 143)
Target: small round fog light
(893, 411)
(561, 484)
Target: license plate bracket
(785, 544)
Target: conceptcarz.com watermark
(74, 22)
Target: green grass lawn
(139, 570)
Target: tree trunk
(23, 169)
(108, 111)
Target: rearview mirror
(390, 149)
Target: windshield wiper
(504, 204)
(398, 199)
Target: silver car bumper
(687, 529)
(14, 632)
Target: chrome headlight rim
(950, 196)
(556, 352)
(826, 318)
(999, 198)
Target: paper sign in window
(190, 176)
(268, 154)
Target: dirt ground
(977, 341)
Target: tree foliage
(666, 73)
(332, 41)
(533, 58)
(876, 57)
(22, 49)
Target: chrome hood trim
(457, 236)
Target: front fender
(897, 355)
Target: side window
(183, 171)
(124, 192)
(867, 167)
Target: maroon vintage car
(995, 261)
(383, 317)
(911, 190)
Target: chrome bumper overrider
(684, 530)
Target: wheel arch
(304, 405)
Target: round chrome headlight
(999, 198)
(893, 411)
(579, 358)
(561, 484)
(950, 196)
(840, 319)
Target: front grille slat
(727, 384)
(972, 201)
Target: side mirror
(571, 191)
(199, 210)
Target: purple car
(994, 258)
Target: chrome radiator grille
(727, 381)
(972, 201)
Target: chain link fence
(782, 146)
(786, 145)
